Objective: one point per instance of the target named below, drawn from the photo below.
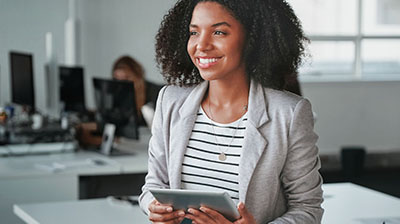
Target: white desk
(344, 203)
(23, 179)
(96, 211)
(350, 203)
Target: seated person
(125, 68)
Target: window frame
(357, 39)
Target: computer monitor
(72, 90)
(21, 66)
(115, 101)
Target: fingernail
(202, 209)
(169, 209)
(181, 213)
(241, 205)
(190, 211)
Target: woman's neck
(226, 100)
(223, 93)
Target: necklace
(222, 155)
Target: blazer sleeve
(300, 176)
(157, 176)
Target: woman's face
(123, 74)
(216, 42)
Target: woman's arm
(157, 176)
(300, 177)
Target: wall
(356, 113)
(114, 28)
(23, 25)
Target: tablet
(184, 199)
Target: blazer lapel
(255, 142)
(181, 131)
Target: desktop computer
(115, 102)
(22, 80)
(72, 89)
(28, 129)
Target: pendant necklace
(222, 155)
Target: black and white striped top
(201, 168)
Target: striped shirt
(201, 168)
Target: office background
(356, 112)
(349, 112)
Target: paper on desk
(59, 166)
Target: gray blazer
(279, 180)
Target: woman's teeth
(207, 60)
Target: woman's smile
(207, 62)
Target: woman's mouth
(207, 62)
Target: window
(350, 39)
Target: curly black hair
(274, 41)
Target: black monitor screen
(72, 91)
(115, 101)
(21, 66)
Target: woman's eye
(218, 32)
(192, 33)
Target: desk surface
(350, 203)
(40, 165)
(344, 203)
(96, 211)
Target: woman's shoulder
(281, 99)
(172, 93)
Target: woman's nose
(204, 43)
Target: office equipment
(108, 139)
(49, 138)
(37, 148)
(22, 84)
(115, 101)
(52, 132)
(51, 78)
(184, 199)
(344, 203)
(72, 91)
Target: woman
(224, 121)
(127, 68)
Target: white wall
(23, 25)
(353, 113)
(356, 113)
(113, 28)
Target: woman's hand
(164, 214)
(209, 216)
(245, 216)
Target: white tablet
(184, 199)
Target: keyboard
(37, 148)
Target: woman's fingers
(218, 217)
(198, 217)
(156, 207)
(160, 213)
(246, 216)
(158, 217)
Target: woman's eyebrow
(214, 25)
(221, 24)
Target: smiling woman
(224, 122)
(216, 42)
